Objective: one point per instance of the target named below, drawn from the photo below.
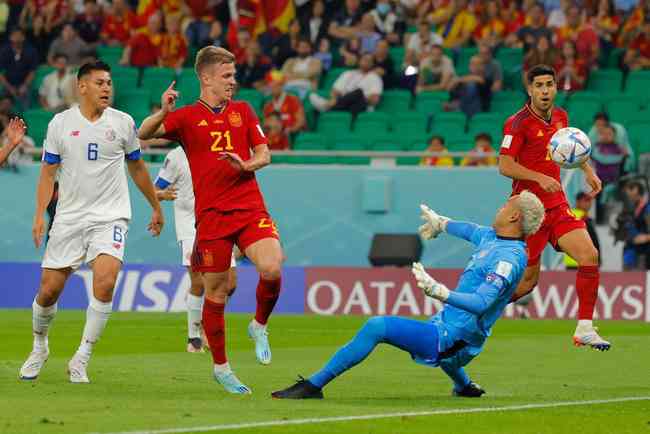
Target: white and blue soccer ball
(570, 147)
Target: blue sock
(354, 352)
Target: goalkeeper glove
(428, 284)
(434, 223)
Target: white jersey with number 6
(176, 172)
(92, 179)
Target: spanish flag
(279, 13)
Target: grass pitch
(142, 380)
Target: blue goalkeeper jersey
(484, 289)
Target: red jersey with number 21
(526, 138)
(205, 134)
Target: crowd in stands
(362, 49)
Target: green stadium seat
(334, 122)
(397, 54)
(510, 58)
(505, 107)
(310, 142)
(388, 143)
(581, 114)
(327, 80)
(464, 56)
(372, 122)
(614, 58)
(429, 103)
(136, 100)
(490, 123)
(638, 83)
(622, 107)
(409, 122)
(157, 80)
(251, 96)
(351, 142)
(125, 77)
(639, 135)
(37, 121)
(395, 101)
(605, 80)
(449, 123)
(110, 54)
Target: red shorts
(557, 222)
(218, 231)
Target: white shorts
(72, 244)
(187, 246)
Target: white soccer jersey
(176, 172)
(92, 179)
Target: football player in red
(525, 157)
(225, 145)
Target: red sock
(214, 325)
(587, 286)
(267, 293)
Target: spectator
(493, 70)
(18, 62)
(56, 85)
(350, 52)
(118, 24)
(144, 47)
(252, 71)
(4, 16)
(420, 43)
(386, 21)
(201, 23)
(39, 38)
(344, 25)
(286, 46)
(490, 29)
(303, 72)
(633, 22)
(70, 44)
(436, 71)
(324, 54)
(530, 34)
(368, 37)
(455, 23)
(215, 36)
(384, 66)
(89, 23)
(173, 49)
(582, 33)
(317, 24)
(571, 70)
(54, 13)
(601, 120)
(637, 55)
(437, 144)
(637, 240)
(542, 54)
(581, 211)
(606, 23)
(354, 91)
(479, 155)
(557, 17)
(277, 136)
(241, 43)
(6, 110)
(608, 155)
(287, 106)
(514, 20)
(471, 93)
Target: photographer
(637, 228)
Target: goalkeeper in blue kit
(454, 336)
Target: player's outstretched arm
(510, 168)
(140, 175)
(152, 127)
(44, 192)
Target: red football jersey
(205, 134)
(526, 138)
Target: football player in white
(88, 146)
(174, 182)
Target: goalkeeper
(454, 336)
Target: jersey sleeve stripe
(51, 158)
(162, 183)
(133, 156)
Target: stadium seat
(621, 107)
(638, 83)
(395, 101)
(327, 80)
(334, 122)
(449, 123)
(638, 134)
(510, 58)
(371, 122)
(490, 123)
(310, 142)
(37, 121)
(581, 115)
(157, 80)
(409, 122)
(464, 56)
(110, 54)
(251, 96)
(605, 81)
(136, 100)
(187, 86)
(125, 77)
(614, 59)
(429, 103)
(39, 75)
(397, 54)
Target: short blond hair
(532, 212)
(211, 55)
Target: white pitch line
(385, 416)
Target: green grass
(142, 380)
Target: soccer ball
(570, 147)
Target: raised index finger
(171, 86)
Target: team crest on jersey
(235, 119)
(111, 135)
